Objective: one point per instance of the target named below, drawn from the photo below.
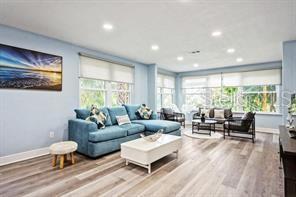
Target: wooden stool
(61, 149)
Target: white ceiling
(255, 28)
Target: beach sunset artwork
(27, 69)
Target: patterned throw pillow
(97, 117)
(123, 120)
(145, 112)
(219, 113)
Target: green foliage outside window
(248, 98)
(94, 92)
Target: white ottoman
(61, 149)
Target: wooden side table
(61, 149)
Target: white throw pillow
(219, 113)
(123, 120)
(206, 112)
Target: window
(121, 93)
(165, 91)
(104, 83)
(245, 91)
(92, 92)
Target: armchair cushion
(248, 116)
(168, 111)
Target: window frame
(161, 94)
(203, 91)
(108, 91)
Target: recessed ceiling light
(216, 33)
(180, 58)
(239, 59)
(195, 65)
(107, 26)
(230, 50)
(154, 47)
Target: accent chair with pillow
(243, 127)
(169, 114)
(122, 124)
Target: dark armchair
(243, 127)
(169, 114)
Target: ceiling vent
(195, 52)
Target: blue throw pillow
(116, 111)
(132, 111)
(82, 113)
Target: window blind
(104, 70)
(202, 81)
(252, 78)
(165, 81)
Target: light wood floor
(228, 167)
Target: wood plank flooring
(230, 167)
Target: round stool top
(61, 148)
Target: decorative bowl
(154, 137)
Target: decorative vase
(154, 137)
(203, 118)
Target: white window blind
(104, 70)
(262, 77)
(165, 81)
(202, 81)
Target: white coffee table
(143, 153)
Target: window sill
(262, 113)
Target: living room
(147, 98)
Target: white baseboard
(23, 156)
(267, 130)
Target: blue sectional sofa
(95, 142)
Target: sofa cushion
(155, 125)
(133, 128)
(108, 133)
(132, 111)
(82, 113)
(116, 111)
(108, 118)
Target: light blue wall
(262, 120)
(173, 74)
(152, 86)
(27, 116)
(288, 74)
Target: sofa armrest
(79, 131)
